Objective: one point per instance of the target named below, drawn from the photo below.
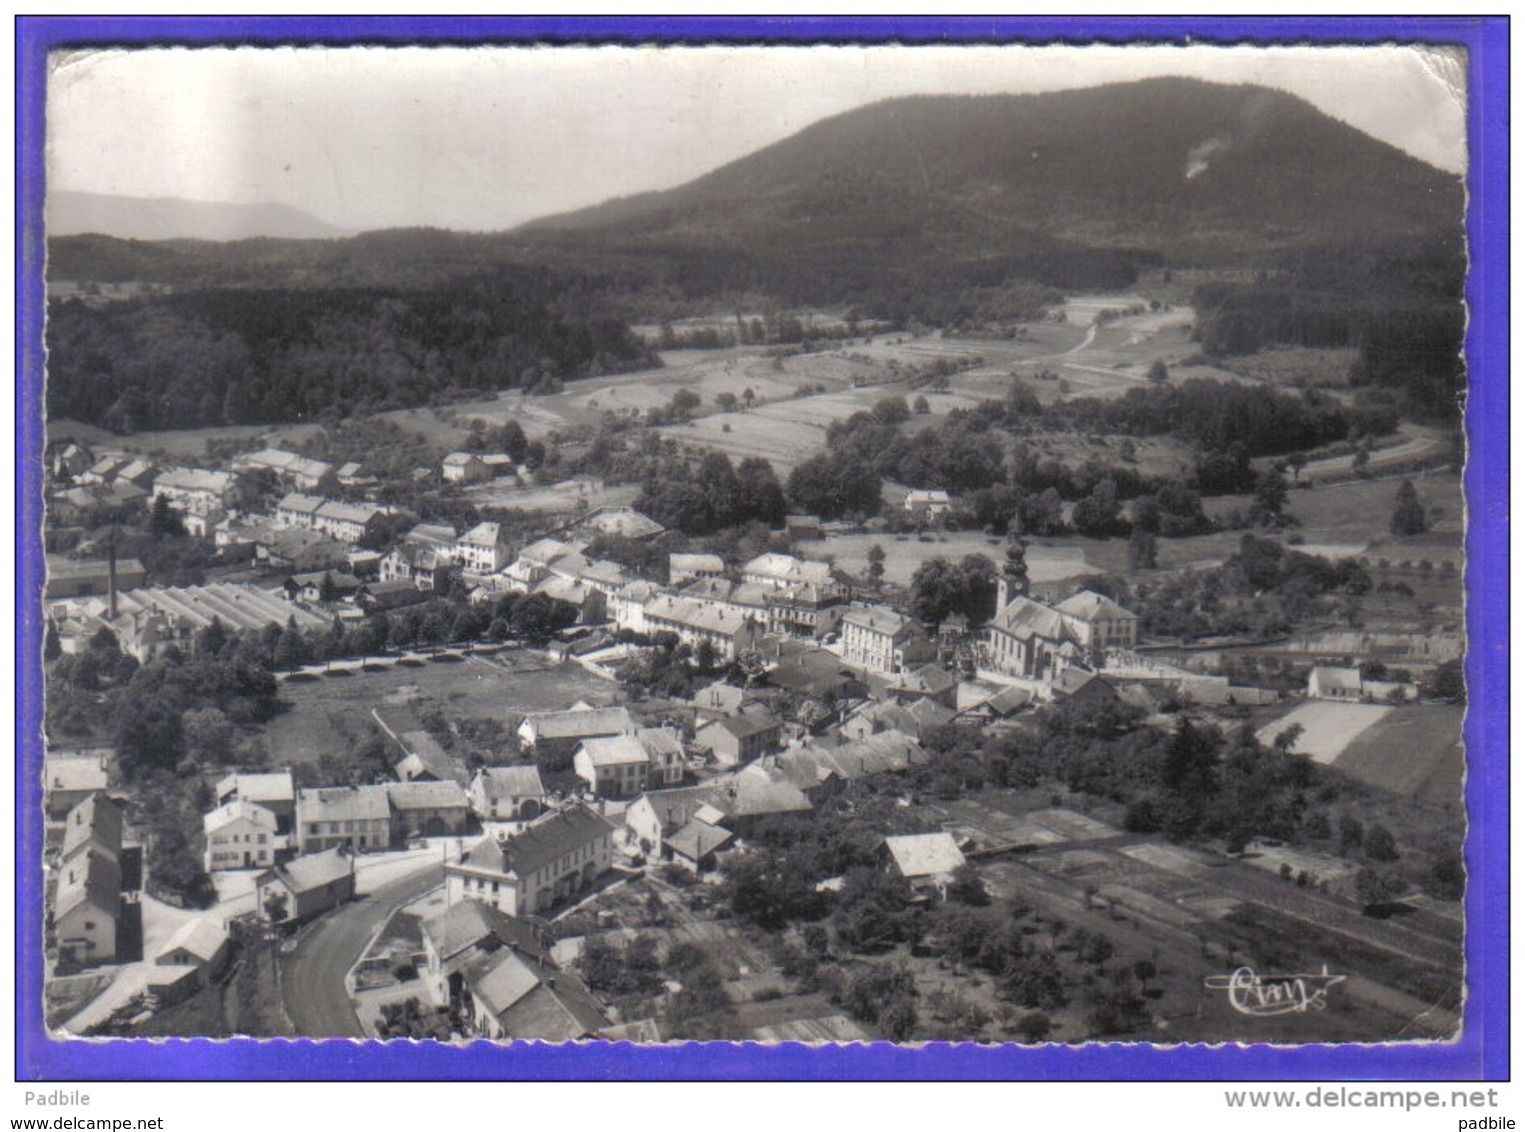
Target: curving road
(312, 975)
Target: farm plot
(321, 711)
(1415, 751)
(1328, 727)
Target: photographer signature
(1267, 995)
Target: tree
(1408, 513)
(1449, 682)
(1380, 844)
(1270, 495)
(1142, 552)
(876, 565)
(920, 406)
(1159, 372)
(1097, 514)
(1376, 890)
(1035, 1026)
(52, 646)
(967, 888)
(164, 521)
(1297, 462)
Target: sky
(487, 138)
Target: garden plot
(1328, 727)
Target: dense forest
(1400, 308)
(269, 355)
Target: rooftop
(924, 854)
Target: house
(194, 490)
(87, 903)
(1078, 686)
(778, 571)
(510, 999)
(273, 790)
(421, 565)
(626, 607)
(929, 682)
(240, 835)
(77, 578)
(1326, 682)
(930, 504)
(611, 522)
(686, 567)
(878, 638)
(384, 597)
(427, 809)
(349, 817)
(298, 471)
(1098, 623)
(927, 860)
(87, 907)
(299, 551)
(201, 943)
(483, 549)
(321, 586)
(803, 528)
(657, 814)
(740, 738)
(68, 779)
(613, 767)
(694, 846)
(543, 864)
(550, 733)
(728, 633)
(464, 467)
(756, 792)
(805, 609)
(719, 699)
(353, 474)
(915, 719)
(465, 932)
(507, 793)
(664, 755)
(305, 887)
(821, 769)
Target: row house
(527, 873)
(729, 633)
(194, 490)
(298, 471)
(345, 522)
(880, 639)
(374, 817)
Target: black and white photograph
(755, 543)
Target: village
(587, 780)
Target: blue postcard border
(1481, 1053)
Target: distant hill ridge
(167, 218)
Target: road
(312, 975)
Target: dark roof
(470, 922)
(541, 844)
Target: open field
(904, 553)
(511, 682)
(1415, 751)
(559, 497)
(1360, 511)
(1328, 727)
